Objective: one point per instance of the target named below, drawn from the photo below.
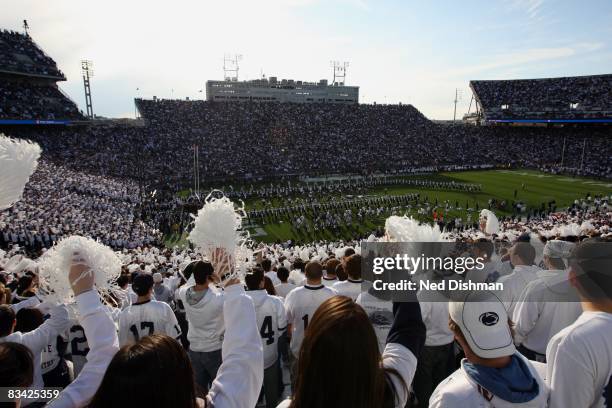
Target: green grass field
(497, 184)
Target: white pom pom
(538, 245)
(54, 267)
(491, 222)
(407, 229)
(219, 225)
(569, 230)
(18, 160)
(305, 254)
(133, 268)
(339, 252)
(321, 253)
(586, 227)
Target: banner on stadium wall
(550, 120)
(33, 122)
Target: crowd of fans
(250, 141)
(19, 54)
(28, 89)
(302, 328)
(24, 100)
(581, 97)
(59, 202)
(246, 343)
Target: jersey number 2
(74, 343)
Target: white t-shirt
(271, 322)
(579, 362)
(297, 277)
(350, 288)
(329, 282)
(300, 304)
(50, 358)
(491, 272)
(36, 340)
(283, 289)
(435, 318)
(380, 313)
(515, 283)
(537, 319)
(146, 318)
(78, 347)
(273, 277)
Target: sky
(416, 52)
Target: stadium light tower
(87, 70)
(458, 96)
(230, 66)
(26, 27)
(339, 71)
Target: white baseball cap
(483, 320)
(556, 248)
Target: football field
(532, 188)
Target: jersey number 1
(143, 326)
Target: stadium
(290, 180)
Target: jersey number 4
(266, 330)
(143, 326)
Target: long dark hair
(154, 372)
(269, 286)
(339, 363)
(24, 284)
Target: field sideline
(496, 184)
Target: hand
(259, 256)
(222, 261)
(80, 276)
(230, 282)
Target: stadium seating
(25, 100)
(20, 55)
(250, 141)
(28, 82)
(583, 97)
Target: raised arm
(240, 376)
(37, 339)
(404, 344)
(24, 304)
(101, 336)
(408, 328)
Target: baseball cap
(157, 277)
(556, 248)
(142, 282)
(483, 320)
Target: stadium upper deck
(28, 84)
(582, 99)
(19, 55)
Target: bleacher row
(251, 140)
(570, 98)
